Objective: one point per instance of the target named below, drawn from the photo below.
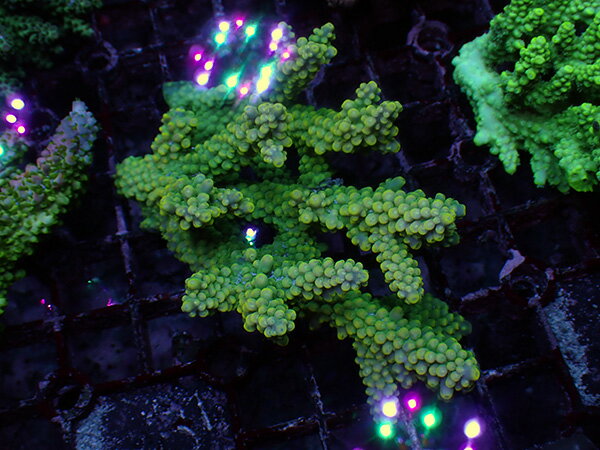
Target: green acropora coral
(220, 164)
(534, 83)
(32, 199)
(31, 32)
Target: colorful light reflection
(262, 85)
(197, 56)
(208, 65)
(244, 90)
(431, 417)
(389, 407)
(202, 78)
(472, 428)
(21, 129)
(224, 26)
(250, 235)
(412, 402)
(386, 430)
(232, 80)
(11, 118)
(250, 30)
(276, 34)
(17, 104)
(220, 38)
(239, 22)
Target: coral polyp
(222, 165)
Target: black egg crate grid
(110, 290)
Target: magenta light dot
(467, 446)
(11, 118)
(20, 129)
(198, 56)
(244, 90)
(239, 22)
(42, 301)
(286, 55)
(412, 402)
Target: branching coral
(220, 163)
(31, 200)
(31, 32)
(534, 83)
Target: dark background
(110, 361)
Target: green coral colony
(220, 162)
(546, 102)
(32, 200)
(31, 32)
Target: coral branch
(546, 101)
(31, 200)
(219, 164)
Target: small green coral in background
(534, 83)
(31, 33)
(220, 164)
(32, 199)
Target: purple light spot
(473, 428)
(412, 402)
(244, 90)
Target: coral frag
(32, 199)
(534, 83)
(31, 32)
(220, 163)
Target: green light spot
(220, 38)
(431, 417)
(385, 430)
(232, 80)
(266, 71)
(1, 150)
(250, 30)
